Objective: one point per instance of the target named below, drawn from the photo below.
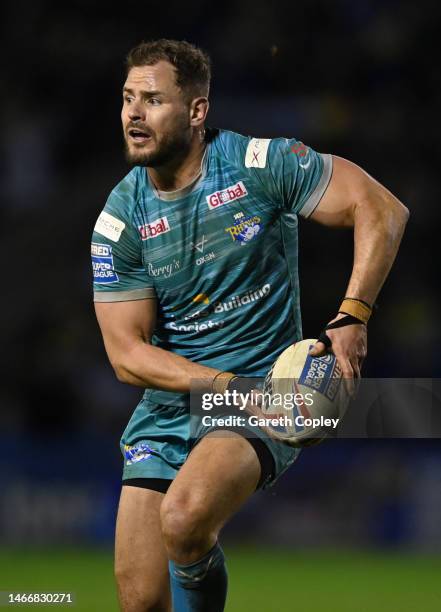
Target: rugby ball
(304, 397)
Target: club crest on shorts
(135, 454)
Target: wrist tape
(356, 308)
(221, 381)
(347, 320)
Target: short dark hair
(192, 65)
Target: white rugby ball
(304, 397)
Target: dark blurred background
(359, 79)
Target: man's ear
(198, 111)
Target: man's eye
(128, 99)
(154, 101)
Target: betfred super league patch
(102, 264)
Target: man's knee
(136, 592)
(186, 529)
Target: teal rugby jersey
(220, 256)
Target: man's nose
(136, 112)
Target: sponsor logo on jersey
(102, 264)
(166, 270)
(236, 302)
(205, 258)
(244, 229)
(242, 300)
(200, 247)
(197, 326)
(299, 149)
(302, 151)
(101, 250)
(321, 374)
(154, 229)
(135, 454)
(227, 195)
(109, 226)
(257, 151)
(201, 298)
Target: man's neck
(181, 172)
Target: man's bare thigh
(141, 563)
(221, 472)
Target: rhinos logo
(135, 454)
(245, 229)
(248, 233)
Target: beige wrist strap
(358, 309)
(221, 381)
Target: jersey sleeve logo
(102, 264)
(257, 151)
(302, 151)
(109, 226)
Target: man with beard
(195, 268)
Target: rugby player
(195, 277)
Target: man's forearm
(144, 365)
(379, 222)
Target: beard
(171, 146)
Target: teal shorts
(159, 438)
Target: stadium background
(355, 524)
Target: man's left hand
(349, 345)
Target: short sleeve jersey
(219, 256)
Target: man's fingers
(361, 358)
(346, 368)
(348, 375)
(350, 386)
(318, 350)
(356, 367)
